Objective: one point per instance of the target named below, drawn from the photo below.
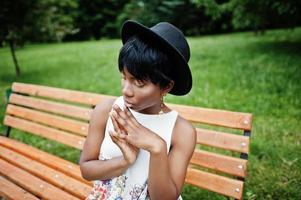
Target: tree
(263, 14)
(12, 22)
(189, 16)
(50, 20)
(97, 18)
(150, 12)
(35, 21)
(257, 15)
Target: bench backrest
(219, 163)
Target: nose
(127, 89)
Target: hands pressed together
(130, 136)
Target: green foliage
(212, 8)
(13, 19)
(50, 20)
(97, 18)
(36, 20)
(69, 20)
(187, 16)
(239, 72)
(256, 15)
(151, 12)
(265, 14)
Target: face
(141, 96)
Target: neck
(153, 110)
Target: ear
(165, 90)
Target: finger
(117, 138)
(122, 135)
(112, 135)
(126, 115)
(120, 112)
(116, 108)
(115, 124)
(127, 111)
(120, 121)
(133, 120)
(126, 119)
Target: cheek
(148, 95)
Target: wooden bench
(63, 115)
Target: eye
(139, 83)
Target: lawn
(239, 72)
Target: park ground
(239, 72)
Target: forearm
(103, 169)
(160, 183)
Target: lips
(128, 104)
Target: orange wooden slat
(226, 164)
(63, 123)
(59, 94)
(48, 174)
(11, 191)
(215, 183)
(29, 182)
(237, 120)
(50, 160)
(44, 131)
(224, 118)
(228, 141)
(50, 106)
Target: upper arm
(96, 131)
(183, 144)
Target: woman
(137, 147)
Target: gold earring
(161, 106)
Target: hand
(136, 134)
(129, 151)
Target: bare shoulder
(104, 106)
(100, 115)
(101, 110)
(184, 129)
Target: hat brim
(181, 73)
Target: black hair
(145, 61)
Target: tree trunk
(13, 53)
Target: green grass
(239, 72)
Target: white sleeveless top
(132, 185)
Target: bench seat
(39, 173)
(219, 163)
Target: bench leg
(8, 131)
(245, 155)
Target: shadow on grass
(27, 76)
(277, 48)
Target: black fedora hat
(172, 41)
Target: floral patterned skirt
(116, 189)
